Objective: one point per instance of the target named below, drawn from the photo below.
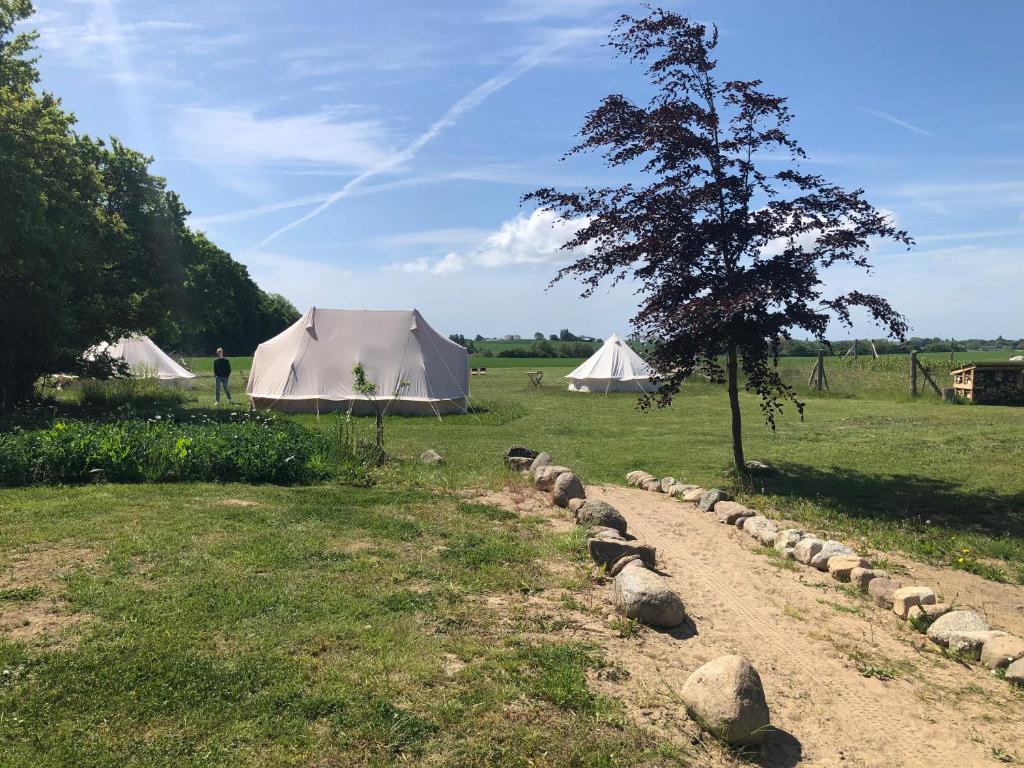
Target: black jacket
(221, 367)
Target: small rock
(634, 476)
(882, 591)
(807, 548)
(840, 566)
(643, 595)
(711, 497)
(861, 577)
(956, 621)
(519, 451)
(786, 540)
(653, 485)
(430, 456)
(546, 476)
(905, 598)
(540, 460)
(604, 550)
(728, 512)
(567, 487)
(757, 466)
(575, 504)
(829, 550)
(1000, 652)
(969, 644)
(694, 494)
(1015, 672)
(667, 483)
(726, 697)
(596, 512)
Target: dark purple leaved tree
(729, 251)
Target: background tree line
(93, 246)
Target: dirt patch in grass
(238, 503)
(525, 501)
(32, 607)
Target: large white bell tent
(308, 367)
(144, 358)
(615, 367)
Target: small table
(535, 377)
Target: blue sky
(373, 155)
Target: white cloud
(239, 136)
(446, 265)
(534, 239)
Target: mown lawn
(326, 626)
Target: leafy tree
(538, 336)
(729, 248)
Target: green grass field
(327, 625)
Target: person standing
(221, 372)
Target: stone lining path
(814, 645)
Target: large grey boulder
(546, 476)
(519, 452)
(761, 528)
(711, 497)
(1002, 651)
(953, 622)
(807, 548)
(641, 594)
(787, 539)
(1015, 672)
(726, 697)
(596, 512)
(567, 487)
(540, 460)
(605, 550)
(829, 549)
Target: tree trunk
(731, 368)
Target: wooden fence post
(913, 374)
(819, 383)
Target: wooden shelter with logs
(993, 383)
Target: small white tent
(615, 367)
(145, 359)
(308, 366)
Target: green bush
(244, 448)
(130, 396)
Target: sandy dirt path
(848, 683)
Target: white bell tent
(308, 367)
(144, 358)
(615, 367)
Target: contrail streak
(470, 101)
